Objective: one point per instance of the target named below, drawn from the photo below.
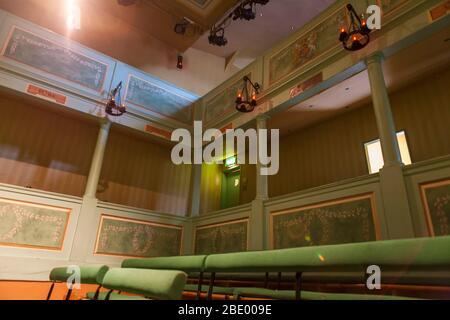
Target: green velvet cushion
(308, 295)
(415, 254)
(154, 284)
(113, 296)
(184, 263)
(89, 274)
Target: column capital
(262, 117)
(376, 57)
(105, 121)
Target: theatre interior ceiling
(402, 69)
(274, 22)
(106, 21)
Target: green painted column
(88, 219)
(393, 188)
(258, 214)
(383, 112)
(262, 182)
(97, 159)
(196, 181)
(257, 226)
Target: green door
(231, 189)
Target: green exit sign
(231, 162)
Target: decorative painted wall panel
(222, 238)
(30, 225)
(223, 104)
(135, 238)
(157, 99)
(42, 54)
(313, 44)
(436, 201)
(306, 85)
(336, 222)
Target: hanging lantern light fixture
(114, 106)
(245, 102)
(357, 35)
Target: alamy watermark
(74, 280)
(374, 17)
(252, 144)
(373, 281)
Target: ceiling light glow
(73, 12)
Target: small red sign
(46, 94)
(308, 84)
(227, 127)
(440, 11)
(159, 132)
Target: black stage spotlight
(244, 12)
(180, 62)
(181, 27)
(217, 37)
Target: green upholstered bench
(417, 254)
(307, 295)
(421, 254)
(152, 284)
(88, 275)
(188, 264)
(184, 263)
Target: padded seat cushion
(420, 253)
(154, 284)
(308, 295)
(89, 274)
(184, 263)
(113, 296)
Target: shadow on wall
(42, 149)
(141, 174)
